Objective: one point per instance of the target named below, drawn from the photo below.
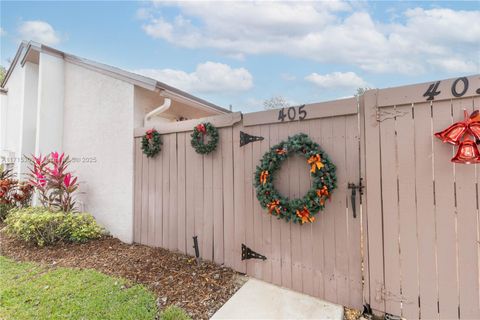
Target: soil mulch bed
(175, 278)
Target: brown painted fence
(412, 250)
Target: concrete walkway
(262, 300)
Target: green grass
(30, 291)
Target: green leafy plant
(174, 313)
(37, 225)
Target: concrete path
(262, 300)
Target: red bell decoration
(467, 152)
(474, 129)
(455, 132)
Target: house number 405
(458, 89)
(291, 113)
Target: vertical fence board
(285, 235)
(181, 201)
(296, 229)
(218, 226)
(207, 241)
(151, 202)
(159, 200)
(318, 227)
(239, 199)
(339, 201)
(228, 197)
(198, 190)
(445, 215)
(352, 148)
(467, 228)
(265, 216)
(276, 250)
(249, 214)
(144, 232)
(173, 219)
(190, 183)
(257, 265)
(330, 285)
(407, 212)
(165, 154)
(373, 200)
(306, 230)
(390, 213)
(426, 218)
(138, 192)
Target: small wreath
(151, 143)
(322, 171)
(200, 132)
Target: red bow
(201, 128)
(149, 134)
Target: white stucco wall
(51, 79)
(29, 111)
(13, 114)
(98, 133)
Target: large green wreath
(324, 180)
(200, 133)
(151, 143)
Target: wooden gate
(181, 194)
(423, 223)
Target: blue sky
(242, 53)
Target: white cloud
(2, 32)
(337, 80)
(208, 77)
(316, 31)
(39, 31)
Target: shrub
(41, 227)
(174, 313)
(12, 192)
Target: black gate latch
(248, 253)
(245, 138)
(353, 197)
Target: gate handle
(353, 197)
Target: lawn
(31, 291)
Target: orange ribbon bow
(281, 151)
(323, 191)
(304, 214)
(274, 205)
(263, 177)
(316, 162)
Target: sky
(242, 53)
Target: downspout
(164, 107)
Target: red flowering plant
(55, 185)
(13, 193)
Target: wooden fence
(412, 250)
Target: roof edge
(133, 78)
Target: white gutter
(164, 107)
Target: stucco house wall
(98, 126)
(54, 101)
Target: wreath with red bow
(322, 171)
(151, 143)
(204, 138)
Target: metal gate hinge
(383, 114)
(248, 253)
(245, 138)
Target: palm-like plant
(55, 185)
